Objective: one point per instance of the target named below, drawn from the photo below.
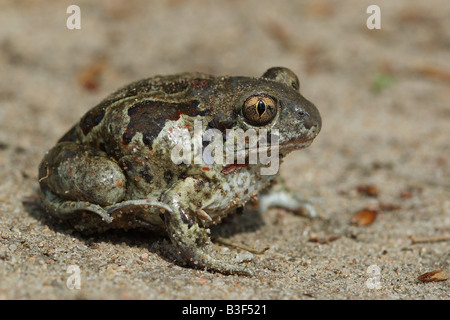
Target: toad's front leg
(191, 241)
(280, 196)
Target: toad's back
(141, 107)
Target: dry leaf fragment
(364, 217)
(429, 239)
(388, 207)
(89, 77)
(320, 9)
(436, 275)
(323, 240)
(435, 73)
(368, 190)
(405, 194)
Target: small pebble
(144, 257)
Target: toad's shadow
(250, 220)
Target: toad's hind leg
(191, 241)
(75, 177)
(66, 208)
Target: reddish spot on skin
(127, 133)
(176, 115)
(134, 112)
(124, 145)
(70, 173)
(205, 169)
(232, 167)
(137, 160)
(119, 184)
(254, 201)
(198, 84)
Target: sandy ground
(385, 103)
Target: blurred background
(383, 95)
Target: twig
(429, 239)
(239, 245)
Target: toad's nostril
(307, 122)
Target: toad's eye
(260, 109)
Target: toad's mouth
(282, 148)
(296, 144)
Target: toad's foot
(279, 196)
(190, 240)
(192, 243)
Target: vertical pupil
(261, 108)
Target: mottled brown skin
(113, 169)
